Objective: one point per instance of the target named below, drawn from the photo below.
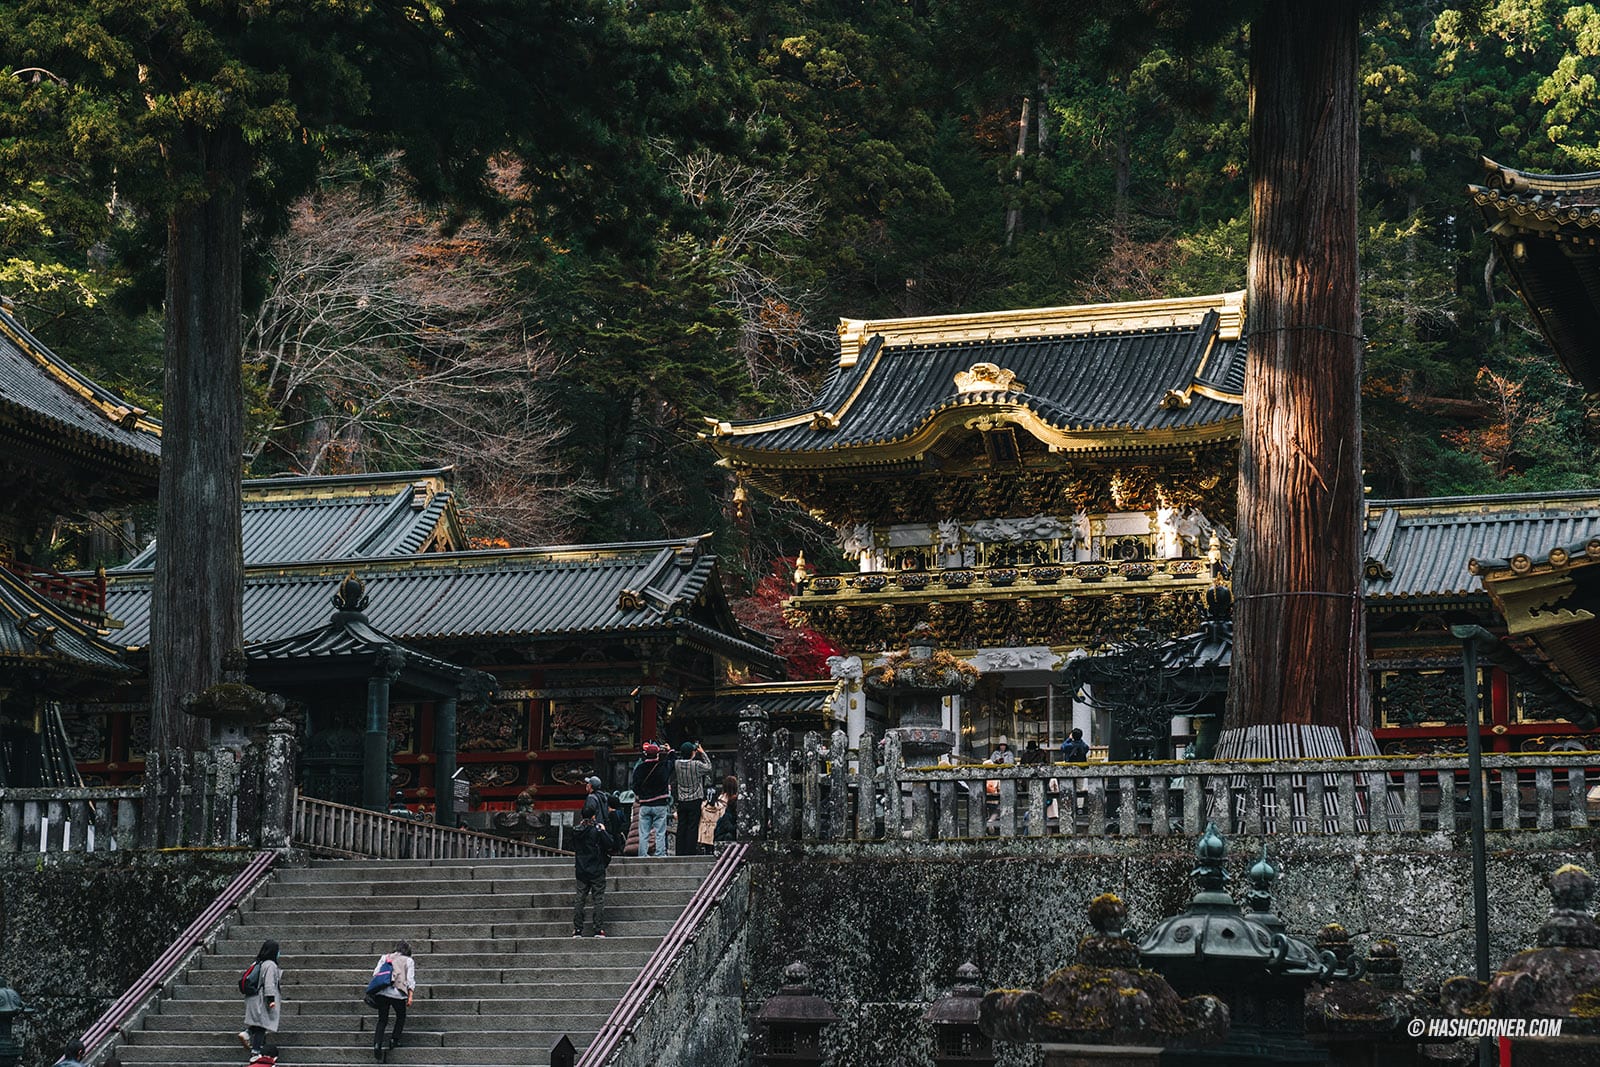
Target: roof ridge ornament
(988, 378)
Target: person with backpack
(591, 848)
(72, 1055)
(652, 785)
(401, 970)
(262, 1007)
(1075, 749)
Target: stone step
(436, 967)
(556, 882)
(226, 1052)
(333, 991)
(562, 950)
(488, 910)
(337, 1036)
(475, 870)
(437, 1019)
(230, 1013)
(316, 932)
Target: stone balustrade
(1089, 577)
(815, 788)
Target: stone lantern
(1105, 1008)
(791, 1022)
(1261, 971)
(914, 683)
(957, 1038)
(1557, 981)
(11, 1007)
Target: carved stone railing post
(811, 787)
(839, 786)
(866, 790)
(752, 772)
(277, 784)
(893, 809)
(782, 786)
(224, 828)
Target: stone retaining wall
(883, 927)
(77, 929)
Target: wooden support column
(444, 767)
(375, 745)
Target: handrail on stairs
(326, 828)
(626, 1014)
(194, 936)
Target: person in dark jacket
(652, 786)
(592, 846)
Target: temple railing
(70, 819)
(328, 829)
(816, 789)
(1102, 577)
(85, 595)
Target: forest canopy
(770, 168)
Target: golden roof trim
(920, 440)
(1043, 322)
(377, 485)
(128, 416)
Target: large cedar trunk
(1298, 680)
(199, 577)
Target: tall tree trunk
(199, 578)
(1298, 680)
(1014, 213)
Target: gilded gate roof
(1546, 228)
(1140, 374)
(347, 516)
(40, 390)
(1422, 548)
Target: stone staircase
(500, 978)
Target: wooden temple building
(582, 652)
(1028, 483)
(1546, 584)
(67, 448)
(1036, 485)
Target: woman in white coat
(262, 1008)
(397, 997)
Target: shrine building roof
(1548, 589)
(346, 516)
(1143, 374)
(1424, 548)
(1546, 228)
(561, 591)
(45, 397)
(35, 633)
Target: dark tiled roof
(34, 632)
(787, 700)
(1546, 228)
(530, 593)
(1421, 548)
(347, 636)
(340, 517)
(39, 389)
(1130, 373)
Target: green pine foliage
(885, 132)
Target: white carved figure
(1032, 528)
(854, 540)
(1080, 547)
(845, 668)
(948, 532)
